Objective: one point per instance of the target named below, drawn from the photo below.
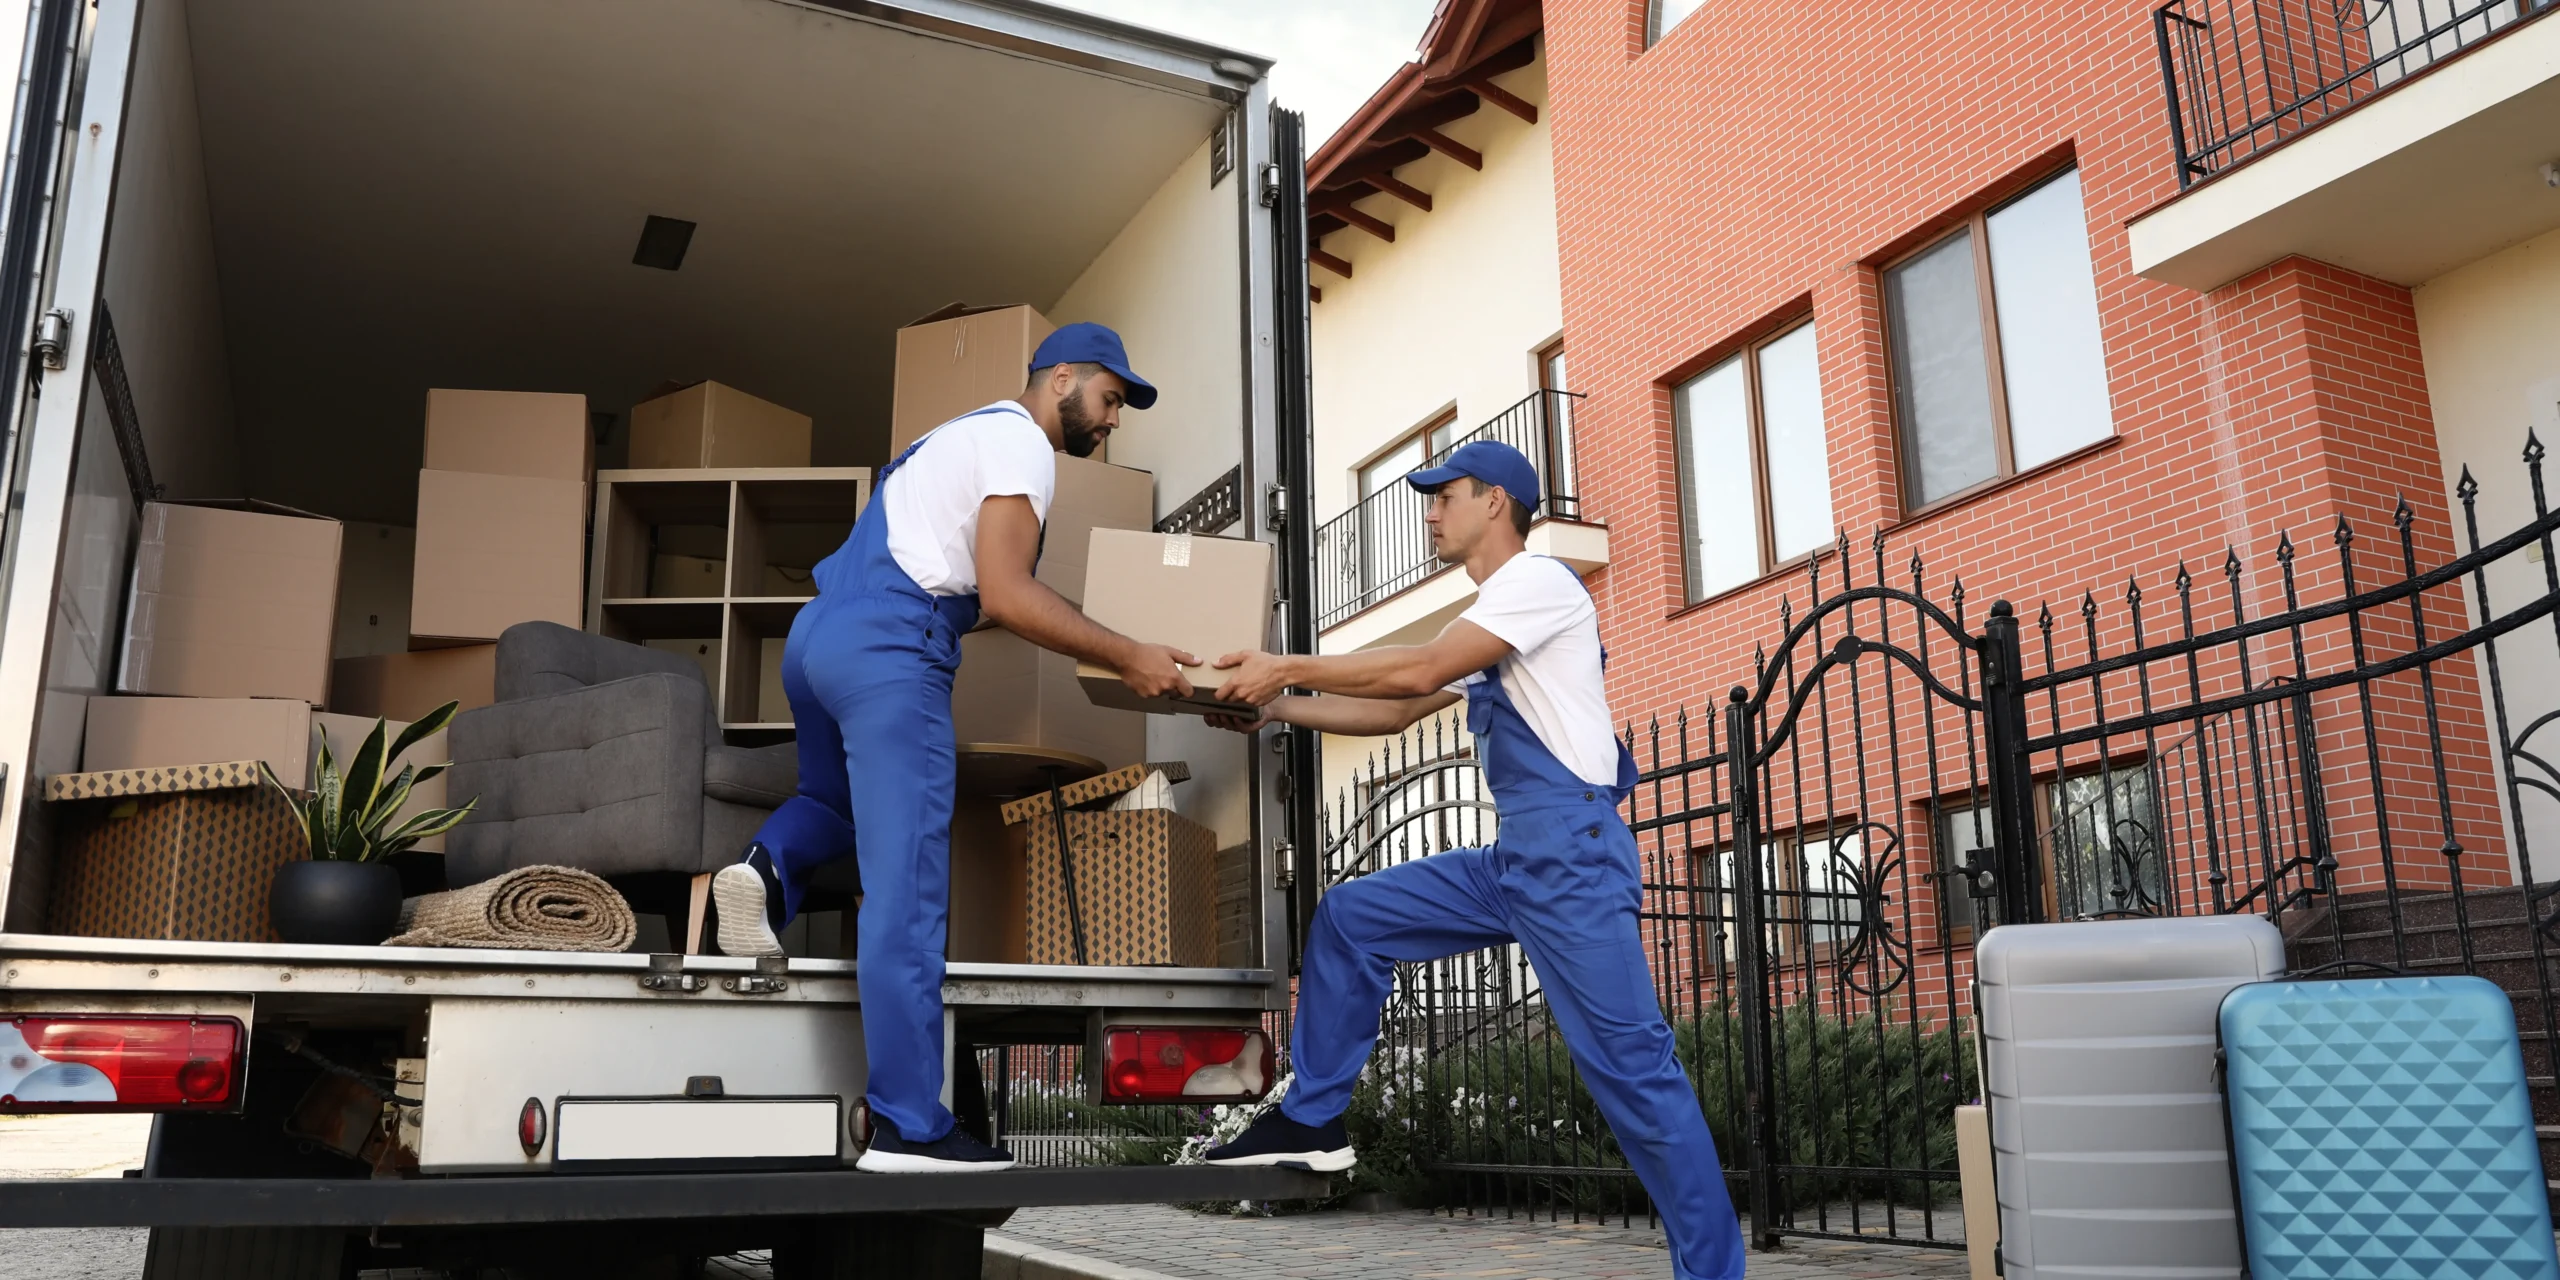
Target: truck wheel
(882, 1247)
(248, 1253)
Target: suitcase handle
(2335, 966)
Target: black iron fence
(2344, 743)
(1381, 546)
(2244, 75)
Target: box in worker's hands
(1205, 596)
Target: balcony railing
(2244, 75)
(1381, 546)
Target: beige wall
(1450, 312)
(2486, 332)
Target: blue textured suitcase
(2380, 1128)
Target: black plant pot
(348, 904)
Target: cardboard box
(345, 736)
(958, 359)
(496, 550)
(539, 434)
(712, 425)
(405, 686)
(231, 600)
(1205, 596)
(687, 578)
(989, 903)
(1146, 887)
(1090, 495)
(187, 853)
(1012, 691)
(160, 733)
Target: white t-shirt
(1538, 606)
(933, 497)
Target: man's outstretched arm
(1008, 542)
(1396, 672)
(1358, 717)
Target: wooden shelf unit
(769, 526)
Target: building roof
(1467, 44)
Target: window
(1994, 335)
(1755, 475)
(1559, 408)
(1663, 15)
(1829, 870)
(1409, 453)
(2105, 844)
(1963, 826)
(1391, 530)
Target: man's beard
(1082, 434)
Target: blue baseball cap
(1085, 342)
(1491, 461)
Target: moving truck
(243, 237)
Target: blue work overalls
(1561, 880)
(868, 669)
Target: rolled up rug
(527, 909)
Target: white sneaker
(745, 930)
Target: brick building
(1943, 281)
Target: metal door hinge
(1285, 855)
(53, 338)
(766, 980)
(666, 973)
(1275, 507)
(1270, 193)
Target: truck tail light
(1185, 1064)
(120, 1062)
(531, 1130)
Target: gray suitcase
(2106, 1118)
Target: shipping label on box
(1013, 692)
(406, 686)
(1146, 889)
(1090, 495)
(709, 424)
(158, 733)
(1205, 596)
(231, 600)
(494, 551)
(959, 359)
(544, 435)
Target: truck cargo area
(320, 211)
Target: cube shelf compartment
(714, 564)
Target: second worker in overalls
(1560, 878)
(953, 527)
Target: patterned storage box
(1146, 880)
(184, 853)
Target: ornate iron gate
(1896, 774)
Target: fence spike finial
(2133, 591)
(2184, 579)
(2466, 488)
(2231, 564)
(2044, 616)
(2284, 547)
(2401, 516)
(2345, 533)
(2532, 448)
(2089, 605)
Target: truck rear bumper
(512, 1201)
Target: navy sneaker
(1275, 1139)
(953, 1152)
(748, 898)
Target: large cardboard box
(1146, 888)
(345, 736)
(712, 425)
(125, 734)
(958, 359)
(687, 577)
(1090, 495)
(406, 686)
(1012, 691)
(496, 550)
(540, 434)
(231, 600)
(188, 853)
(1205, 596)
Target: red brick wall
(1766, 158)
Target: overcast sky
(1331, 53)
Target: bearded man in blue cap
(1560, 879)
(953, 530)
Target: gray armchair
(607, 757)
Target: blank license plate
(697, 1129)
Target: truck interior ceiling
(323, 209)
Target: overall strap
(1039, 548)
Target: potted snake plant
(343, 892)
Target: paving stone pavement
(1426, 1246)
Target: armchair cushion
(759, 776)
(607, 778)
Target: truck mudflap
(552, 1200)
